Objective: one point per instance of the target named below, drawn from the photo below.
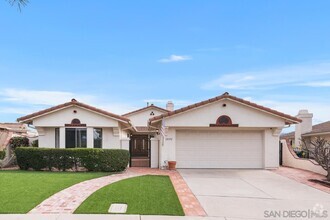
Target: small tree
(19, 3)
(319, 150)
(18, 142)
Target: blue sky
(119, 54)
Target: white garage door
(219, 149)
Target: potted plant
(171, 165)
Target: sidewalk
(101, 217)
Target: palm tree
(19, 3)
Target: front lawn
(145, 195)
(21, 191)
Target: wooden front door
(139, 148)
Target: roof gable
(288, 118)
(73, 102)
(150, 107)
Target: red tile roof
(73, 102)
(145, 108)
(226, 95)
(320, 128)
(144, 129)
(316, 129)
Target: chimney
(304, 127)
(170, 106)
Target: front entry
(140, 151)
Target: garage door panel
(219, 149)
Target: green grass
(21, 191)
(145, 195)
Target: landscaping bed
(144, 195)
(104, 160)
(21, 191)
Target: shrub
(2, 154)
(106, 160)
(35, 143)
(18, 142)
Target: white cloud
(311, 75)
(18, 110)
(37, 97)
(319, 108)
(23, 102)
(175, 58)
(317, 84)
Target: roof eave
(287, 118)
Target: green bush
(2, 154)
(106, 160)
(35, 143)
(18, 142)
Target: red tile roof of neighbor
(222, 97)
(320, 128)
(73, 102)
(316, 129)
(145, 108)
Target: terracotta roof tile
(67, 104)
(320, 128)
(144, 129)
(225, 96)
(145, 108)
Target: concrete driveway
(255, 194)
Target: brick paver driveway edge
(69, 199)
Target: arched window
(75, 121)
(224, 120)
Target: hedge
(105, 160)
(2, 154)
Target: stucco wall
(46, 137)
(271, 149)
(290, 159)
(46, 125)
(240, 114)
(247, 118)
(141, 118)
(154, 144)
(65, 116)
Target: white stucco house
(222, 132)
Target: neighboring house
(305, 129)
(9, 130)
(222, 132)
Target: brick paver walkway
(302, 176)
(68, 200)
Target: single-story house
(306, 130)
(222, 132)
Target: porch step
(140, 162)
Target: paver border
(69, 199)
(302, 176)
